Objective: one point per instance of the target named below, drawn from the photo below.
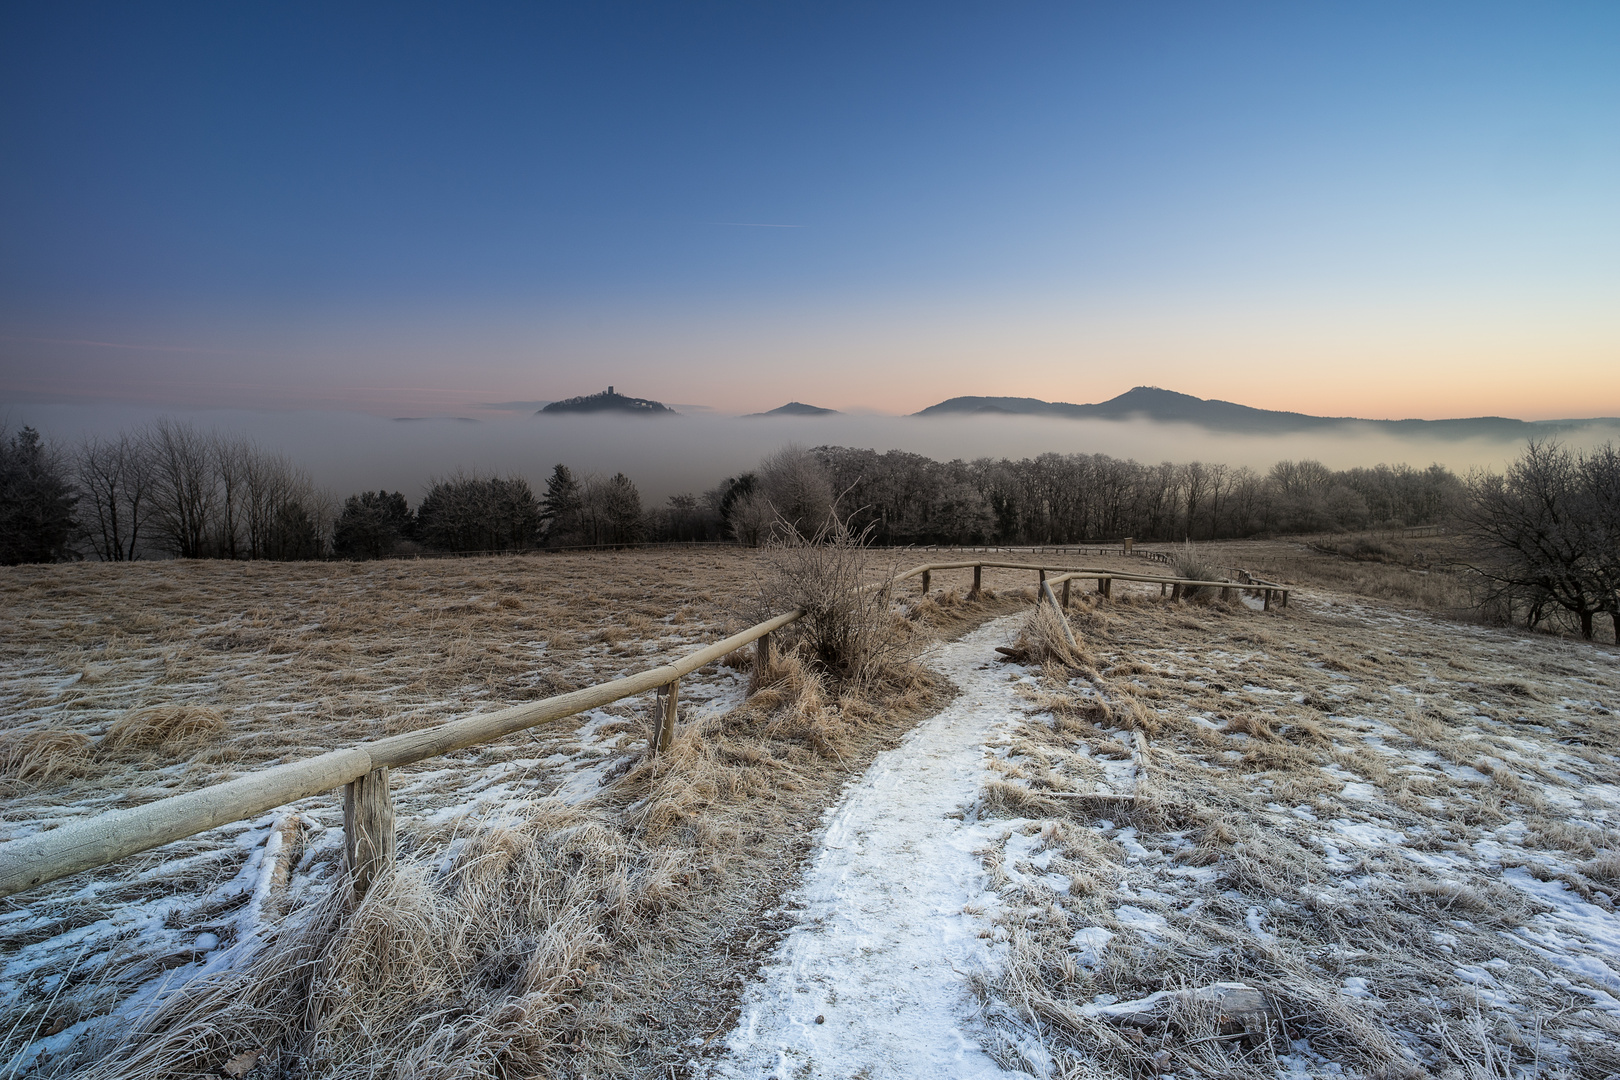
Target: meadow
(1400, 828)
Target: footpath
(873, 980)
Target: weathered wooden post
(1175, 591)
(668, 697)
(762, 655)
(1267, 606)
(926, 576)
(978, 570)
(1161, 590)
(1108, 587)
(1284, 597)
(368, 828)
(1065, 594)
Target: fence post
(925, 582)
(1175, 591)
(1108, 587)
(1284, 597)
(1066, 584)
(762, 655)
(1268, 601)
(977, 571)
(668, 698)
(368, 828)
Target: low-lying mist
(348, 452)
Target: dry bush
(38, 758)
(162, 726)
(475, 969)
(849, 630)
(1190, 563)
(1042, 640)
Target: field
(1402, 830)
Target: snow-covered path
(883, 947)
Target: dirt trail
(873, 979)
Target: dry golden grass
(521, 934)
(1414, 572)
(166, 727)
(1281, 746)
(43, 757)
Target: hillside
(794, 408)
(1168, 406)
(609, 401)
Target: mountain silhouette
(795, 408)
(609, 401)
(1168, 406)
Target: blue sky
(1387, 209)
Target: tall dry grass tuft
(1042, 640)
(849, 631)
(478, 966)
(1189, 563)
(38, 758)
(168, 727)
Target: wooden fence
(362, 771)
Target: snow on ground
(300, 659)
(1406, 830)
(1403, 829)
(873, 979)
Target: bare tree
(797, 489)
(114, 478)
(1220, 483)
(1533, 537)
(1598, 473)
(610, 509)
(233, 459)
(184, 490)
(1195, 485)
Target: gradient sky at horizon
(1373, 209)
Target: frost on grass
(564, 903)
(1401, 833)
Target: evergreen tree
(371, 525)
(559, 510)
(36, 501)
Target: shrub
(371, 525)
(1188, 563)
(473, 513)
(849, 630)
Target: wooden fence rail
(363, 770)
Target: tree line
(1054, 498)
(1543, 535)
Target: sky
(1375, 209)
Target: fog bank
(348, 452)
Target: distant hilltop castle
(609, 401)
